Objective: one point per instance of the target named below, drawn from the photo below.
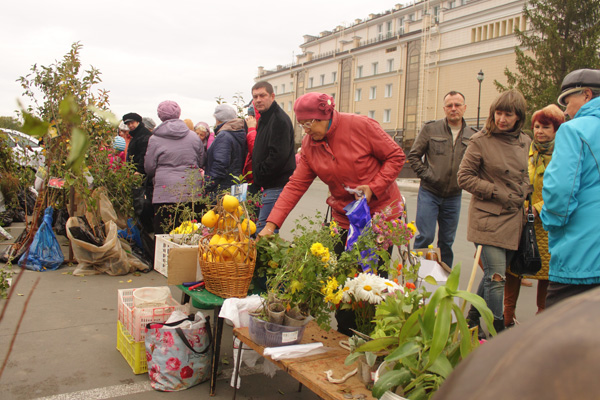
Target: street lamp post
(479, 79)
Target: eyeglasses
(307, 125)
(454, 105)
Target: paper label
(287, 337)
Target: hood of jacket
(233, 125)
(590, 109)
(172, 129)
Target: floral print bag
(178, 358)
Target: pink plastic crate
(135, 319)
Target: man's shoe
(499, 325)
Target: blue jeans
(269, 197)
(491, 288)
(432, 209)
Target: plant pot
(294, 317)
(366, 373)
(273, 334)
(276, 313)
(272, 298)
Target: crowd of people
(502, 166)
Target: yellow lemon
(240, 211)
(230, 203)
(248, 226)
(210, 219)
(214, 240)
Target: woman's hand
(251, 121)
(366, 191)
(268, 230)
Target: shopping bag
(44, 252)
(178, 357)
(359, 216)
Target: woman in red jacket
(344, 151)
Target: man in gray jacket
(435, 157)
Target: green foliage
(70, 114)
(422, 339)
(10, 123)
(564, 36)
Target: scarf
(542, 154)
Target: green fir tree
(562, 36)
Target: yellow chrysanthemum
(317, 249)
(412, 227)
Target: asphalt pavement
(65, 347)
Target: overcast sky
(149, 51)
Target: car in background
(26, 149)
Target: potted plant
(421, 339)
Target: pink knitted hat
(314, 106)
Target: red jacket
(356, 151)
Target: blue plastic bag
(359, 216)
(44, 252)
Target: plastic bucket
(147, 297)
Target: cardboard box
(183, 265)
(439, 254)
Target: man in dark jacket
(136, 151)
(273, 157)
(227, 154)
(435, 157)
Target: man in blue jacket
(571, 190)
(274, 155)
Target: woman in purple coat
(173, 152)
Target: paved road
(66, 347)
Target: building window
(275, 89)
(334, 76)
(390, 65)
(373, 93)
(388, 90)
(411, 17)
(451, 4)
(463, 2)
(372, 114)
(283, 88)
(389, 28)
(359, 71)
(375, 67)
(380, 31)
(310, 82)
(290, 106)
(358, 95)
(322, 79)
(291, 86)
(333, 96)
(387, 115)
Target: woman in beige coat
(545, 123)
(494, 171)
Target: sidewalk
(66, 345)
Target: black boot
(499, 325)
(473, 321)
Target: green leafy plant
(422, 339)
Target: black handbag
(527, 260)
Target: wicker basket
(227, 268)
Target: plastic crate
(273, 335)
(136, 319)
(161, 251)
(133, 352)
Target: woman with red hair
(545, 123)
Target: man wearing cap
(435, 157)
(273, 156)
(227, 153)
(136, 151)
(571, 190)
